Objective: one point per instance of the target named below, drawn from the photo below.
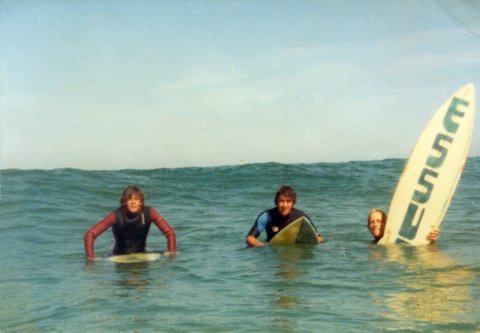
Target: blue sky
(151, 84)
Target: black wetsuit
(272, 222)
(131, 231)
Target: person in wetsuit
(130, 225)
(275, 219)
(377, 220)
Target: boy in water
(275, 219)
(130, 225)
(377, 219)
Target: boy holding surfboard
(130, 224)
(273, 220)
(377, 220)
(430, 176)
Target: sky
(107, 85)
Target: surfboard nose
(470, 86)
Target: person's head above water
(285, 199)
(132, 199)
(376, 223)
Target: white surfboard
(134, 257)
(432, 172)
(300, 231)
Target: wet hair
(286, 191)
(129, 192)
(376, 210)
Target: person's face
(284, 205)
(375, 225)
(134, 204)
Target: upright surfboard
(432, 172)
(300, 231)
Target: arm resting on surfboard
(94, 232)
(166, 229)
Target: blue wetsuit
(272, 222)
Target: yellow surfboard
(300, 231)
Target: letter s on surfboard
(432, 172)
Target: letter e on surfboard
(432, 172)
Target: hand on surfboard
(433, 235)
(169, 254)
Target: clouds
(197, 84)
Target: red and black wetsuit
(130, 231)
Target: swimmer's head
(132, 191)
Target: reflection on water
(130, 280)
(132, 275)
(433, 289)
(289, 270)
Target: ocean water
(216, 283)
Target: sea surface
(217, 284)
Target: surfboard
(300, 231)
(134, 257)
(432, 172)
